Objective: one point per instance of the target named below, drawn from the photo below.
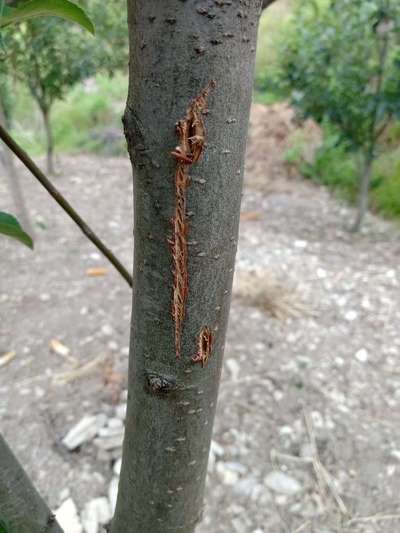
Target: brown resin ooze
(191, 133)
(204, 347)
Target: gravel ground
(307, 435)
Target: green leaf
(3, 528)
(37, 8)
(10, 226)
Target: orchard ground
(307, 434)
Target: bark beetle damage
(191, 133)
(204, 347)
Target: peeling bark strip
(191, 133)
(204, 347)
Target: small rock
(228, 476)
(234, 368)
(362, 355)
(115, 423)
(67, 517)
(64, 494)
(113, 493)
(282, 483)
(111, 431)
(107, 330)
(217, 449)
(351, 315)
(395, 454)
(120, 411)
(96, 513)
(86, 429)
(117, 467)
(246, 487)
(109, 442)
(235, 467)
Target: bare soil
(311, 382)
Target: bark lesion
(204, 347)
(191, 134)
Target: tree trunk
(21, 508)
(363, 193)
(49, 140)
(7, 159)
(177, 49)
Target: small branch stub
(191, 133)
(204, 347)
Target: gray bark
(177, 48)
(363, 193)
(7, 160)
(22, 510)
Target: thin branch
(62, 202)
(21, 506)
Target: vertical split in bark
(191, 133)
(177, 47)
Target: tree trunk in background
(7, 159)
(21, 508)
(49, 141)
(177, 48)
(363, 194)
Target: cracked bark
(177, 48)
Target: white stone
(362, 355)
(67, 517)
(120, 411)
(351, 315)
(117, 467)
(395, 454)
(217, 449)
(109, 442)
(282, 483)
(115, 423)
(96, 513)
(107, 330)
(113, 493)
(111, 431)
(246, 486)
(64, 494)
(86, 429)
(228, 476)
(233, 367)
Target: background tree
(354, 88)
(49, 68)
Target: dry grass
(264, 291)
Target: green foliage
(341, 63)
(385, 193)
(38, 8)
(10, 227)
(59, 55)
(338, 168)
(82, 122)
(90, 120)
(272, 29)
